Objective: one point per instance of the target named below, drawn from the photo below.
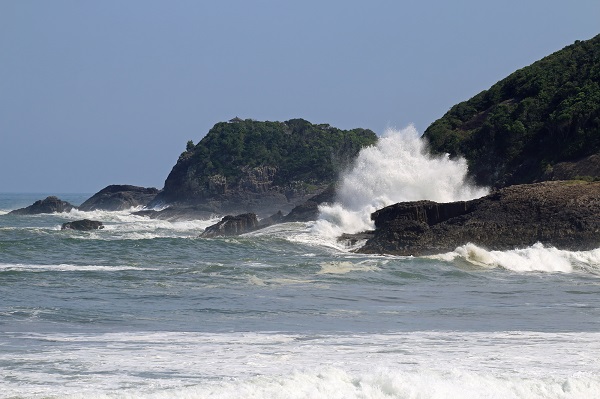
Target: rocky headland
(563, 214)
(247, 166)
(534, 137)
(542, 122)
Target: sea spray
(398, 168)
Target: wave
(398, 168)
(537, 258)
(276, 365)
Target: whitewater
(146, 309)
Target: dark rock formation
(232, 226)
(48, 205)
(119, 197)
(309, 210)
(260, 167)
(564, 214)
(82, 225)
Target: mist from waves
(398, 168)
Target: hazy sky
(108, 92)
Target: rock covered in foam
(82, 225)
(50, 204)
(561, 214)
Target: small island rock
(232, 226)
(50, 204)
(82, 225)
(119, 197)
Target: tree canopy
(540, 115)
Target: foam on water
(275, 365)
(535, 258)
(126, 226)
(398, 168)
(66, 268)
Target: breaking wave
(535, 258)
(398, 168)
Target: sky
(105, 92)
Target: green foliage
(542, 114)
(301, 152)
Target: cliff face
(261, 167)
(537, 124)
(561, 214)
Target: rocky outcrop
(564, 214)
(50, 204)
(232, 226)
(119, 197)
(82, 225)
(260, 167)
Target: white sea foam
(343, 267)
(66, 268)
(123, 225)
(398, 168)
(534, 258)
(274, 365)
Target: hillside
(542, 122)
(246, 165)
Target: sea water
(146, 309)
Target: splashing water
(398, 168)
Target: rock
(271, 220)
(309, 210)
(82, 225)
(232, 226)
(119, 197)
(260, 167)
(563, 214)
(50, 204)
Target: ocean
(146, 309)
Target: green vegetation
(540, 115)
(298, 151)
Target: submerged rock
(82, 225)
(119, 197)
(564, 214)
(232, 226)
(271, 220)
(309, 210)
(50, 204)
